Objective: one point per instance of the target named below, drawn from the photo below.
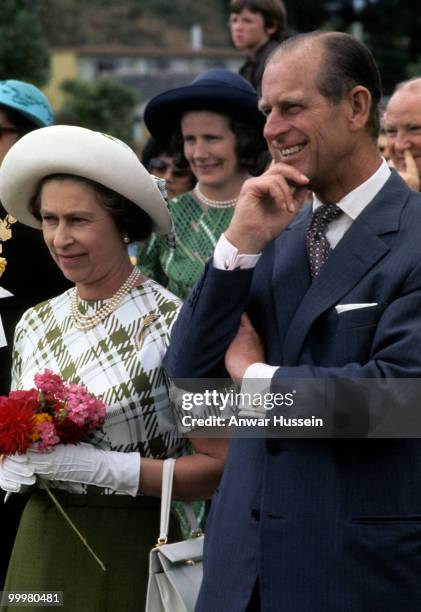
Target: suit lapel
(291, 276)
(358, 251)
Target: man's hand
(408, 170)
(245, 349)
(266, 205)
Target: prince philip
(331, 290)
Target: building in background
(149, 69)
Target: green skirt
(48, 556)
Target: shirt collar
(355, 201)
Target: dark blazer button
(255, 514)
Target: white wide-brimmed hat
(68, 149)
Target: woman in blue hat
(23, 108)
(219, 126)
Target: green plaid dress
(120, 361)
(197, 230)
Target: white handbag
(175, 570)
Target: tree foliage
(392, 31)
(162, 23)
(24, 53)
(306, 15)
(390, 27)
(104, 105)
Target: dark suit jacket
(325, 525)
(253, 68)
(32, 276)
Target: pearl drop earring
(126, 240)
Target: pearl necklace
(86, 322)
(213, 203)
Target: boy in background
(256, 26)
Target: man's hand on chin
(266, 206)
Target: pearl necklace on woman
(86, 322)
(213, 203)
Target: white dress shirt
(226, 256)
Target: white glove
(16, 474)
(88, 465)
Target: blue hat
(216, 90)
(27, 100)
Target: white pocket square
(344, 307)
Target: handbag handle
(166, 494)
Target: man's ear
(359, 99)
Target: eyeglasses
(160, 165)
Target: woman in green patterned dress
(91, 196)
(219, 128)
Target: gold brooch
(5, 234)
(147, 322)
(5, 231)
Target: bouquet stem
(73, 526)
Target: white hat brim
(68, 149)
